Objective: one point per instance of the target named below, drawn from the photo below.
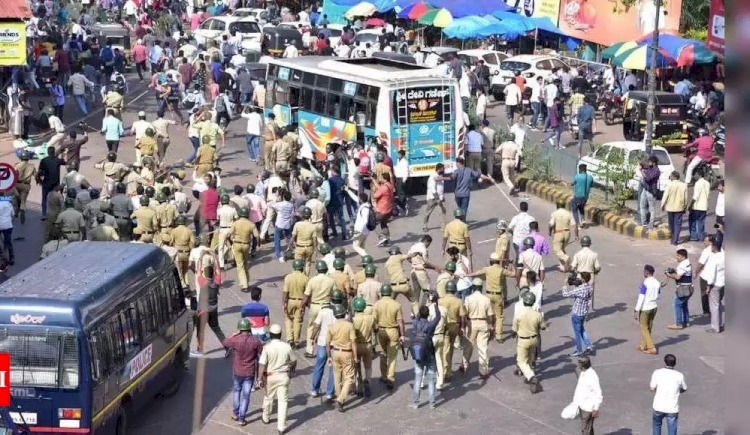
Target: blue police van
(94, 332)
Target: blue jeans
(430, 368)
(547, 118)
(241, 388)
(320, 364)
(350, 207)
(336, 216)
(536, 110)
(675, 225)
(462, 202)
(81, 102)
(577, 205)
(196, 143)
(681, 311)
(555, 132)
(252, 143)
(697, 224)
(278, 233)
(579, 333)
(648, 206)
(671, 422)
(245, 97)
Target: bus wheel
(176, 376)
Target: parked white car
(213, 28)
(260, 15)
(632, 154)
(491, 58)
(529, 65)
(247, 28)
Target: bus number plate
(23, 417)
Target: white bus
(401, 105)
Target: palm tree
(694, 14)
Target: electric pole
(651, 106)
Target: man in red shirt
(384, 198)
(140, 55)
(246, 349)
(704, 153)
(209, 200)
(186, 73)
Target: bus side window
(359, 106)
(177, 303)
(294, 96)
(98, 365)
(370, 113)
(334, 106)
(319, 102)
(130, 335)
(162, 304)
(282, 93)
(147, 315)
(306, 99)
(346, 108)
(270, 95)
(116, 343)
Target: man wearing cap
(26, 173)
(146, 221)
(560, 225)
(292, 294)
(341, 348)
(183, 240)
(502, 244)
(317, 293)
(246, 350)
(420, 281)
(456, 233)
(226, 215)
(205, 158)
(390, 323)
(304, 239)
(479, 327)
(455, 320)
(497, 288)
(138, 129)
(364, 328)
(277, 365)
(488, 147)
(529, 260)
(318, 216)
(71, 222)
(369, 289)
(586, 260)
(448, 274)
(508, 151)
(397, 277)
(271, 134)
(527, 326)
(241, 233)
(161, 126)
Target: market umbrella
(375, 22)
(639, 58)
(364, 9)
(685, 51)
(618, 48)
(436, 18)
(466, 27)
(415, 11)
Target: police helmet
(321, 266)
(306, 213)
(477, 284)
(339, 252)
(370, 270)
(379, 157)
(386, 290)
(528, 298)
(70, 202)
(367, 259)
(150, 132)
(359, 305)
(243, 212)
(585, 241)
(339, 311)
(224, 199)
(394, 250)
(324, 248)
(161, 197)
(313, 194)
(150, 191)
(298, 265)
(181, 220)
(144, 200)
(244, 325)
(459, 212)
(337, 296)
(450, 266)
(450, 287)
(528, 242)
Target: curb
(594, 214)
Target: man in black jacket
(423, 352)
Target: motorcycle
(710, 168)
(612, 107)
(719, 140)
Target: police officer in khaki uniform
(527, 327)
(147, 144)
(91, 209)
(56, 243)
(183, 240)
(103, 232)
(390, 324)
(318, 210)
(122, 208)
(146, 221)
(271, 133)
(381, 168)
(479, 327)
(340, 252)
(304, 239)
(282, 154)
(341, 348)
(586, 260)
(420, 263)
(438, 339)
(55, 202)
(443, 278)
(504, 239)
(205, 157)
(456, 234)
(369, 289)
(71, 222)
(317, 293)
(364, 326)
(167, 213)
(276, 367)
(529, 260)
(455, 320)
(397, 277)
(292, 295)
(560, 224)
(226, 215)
(240, 234)
(26, 173)
(341, 278)
(114, 172)
(508, 151)
(360, 276)
(497, 288)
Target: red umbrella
(418, 10)
(375, 22)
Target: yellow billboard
(537, 8)
(12, 43)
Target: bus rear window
(41, 358)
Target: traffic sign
(8, 177)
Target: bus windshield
(41, 358)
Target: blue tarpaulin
(466, 27)
(545, 24)
(685, 51)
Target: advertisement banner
(537, 8)
(606, 21)
(716, 26)
(12, 44)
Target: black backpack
(371, 224)
(419, 347)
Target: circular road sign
(8, 177)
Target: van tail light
(69, 413)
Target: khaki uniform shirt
(454, 309)
(147, 145)
(242, 229)
(502, 245)
(478, 306)
(494, 277)
(531, 261)
(206, 155)
(586, 260)
(26, 172)
(52, 246)
(269, 134)
(122, 206)
(440, 328)
(341, 335)
(239, 202)
(161, 126)
(508, 150)
(104, 233)
(387, 312)
(166, 213)
(146, 219)
(318, 210)
(562, 220)
(363, 326)
(457, 233)
(527, 323)
(282, 151)
(132, 180)
(442, 279)
(277, 356)
(90, 211)
(147, 176)
(675, 197)
(114, 100)
(319, 289)
(342, 281)
(226, 214)
(394, 270)
(294, 285)
(304, 233)
(212, 130)
(71, 220)
(113, 170)
(55, 202)
(369, 290)
(183, 239)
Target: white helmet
(702, 132)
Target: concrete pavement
(503, 403)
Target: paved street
(502, 404)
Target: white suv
(529, 65)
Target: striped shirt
(581, 296)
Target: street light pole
(651, 106)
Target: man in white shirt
(667, 384)
(360, 225)
(130, 8)
(699, 207)
(713, 273)
(435, 194)
(513, 99)
(6, 229)
(290, 51)
(535, 100)
(519, 225)
(645, 309)
(401, 172)
(719, 211)
(588, 395)
(343, 50)
(630, 79)
(549, 94)
(255, 127)
(481, 104)
(518, 130)
(705, 254)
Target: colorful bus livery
(404, 106)
(94, 332)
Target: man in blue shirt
(154, 56)
(683, 87)
(335, 207)
(112, 130)
(585, 123)
(474, 142)
(582, 183)
(257, 313)
(463, 177)
(424, 359)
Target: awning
(14, 10)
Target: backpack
(174, 91)
(371, 224)
(419, 347)
(221, 105)
(107, 56)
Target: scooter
(612, 107)
(709, 169)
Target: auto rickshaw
(119, 36)
(276, 39)
(670, 115)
